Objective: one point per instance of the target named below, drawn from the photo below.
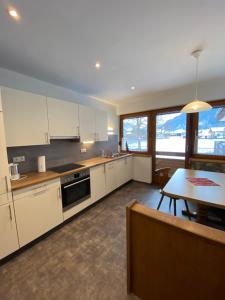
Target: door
(170, 141)
(98, 184)
(37, 211)
(25, 117)
(87, 124)
(4, 170)
(63, 118)
(101, 126)
(8, 233)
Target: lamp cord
(196, 78)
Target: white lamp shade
(196, 106)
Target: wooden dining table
(180, 187)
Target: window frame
(137, 115)
(194, 154)
(168, 153)
(191, 127)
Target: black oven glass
(75, 192)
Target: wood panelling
(169, 258)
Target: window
(135, 133)
(211, 132)
(171, 134)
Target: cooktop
(65, 168)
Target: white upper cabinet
(63, 118)
(87, 123)
(25, 117)
(101, 125)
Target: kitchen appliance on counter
(13, 171)
(75, 188)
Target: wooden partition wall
(170, 258)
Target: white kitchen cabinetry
(87, 123)
(124, 170)
(38, 209)
(98, 183)
(63, 118)
(5, 185)
(142, 169)
(111, 176)
(101, 126)
(25, 117)
(129, 168)
(8, 233)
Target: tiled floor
(83, 260)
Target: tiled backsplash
(60, 152)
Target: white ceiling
(145, 43)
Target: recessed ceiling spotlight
(97, 65)
(13, 13)
(132, 88)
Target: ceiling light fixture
(97, 65)
(132, 88)
(196, 105)
(13, 13)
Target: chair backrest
(170, 258)
(162, 176)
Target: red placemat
(202, 181)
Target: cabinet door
(4, 170)
(87, 123)
(111, 180)
(101, 125)
(98, 185)
(25, 117)
(8, 233)
(129, 168)
(63, 118)
(38, 212)
(121, 171)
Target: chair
(162, 177)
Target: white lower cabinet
(98, 183)
(124, 170)
(118, 173)
(110, 176)
(129, 168)
(37, 209)
(8, 234)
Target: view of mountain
(207, 120)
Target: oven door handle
(75, 183)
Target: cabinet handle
(59, 193)
(39, 193)
(10, 213)
(6, 184)
(47, 138)
(78, 130)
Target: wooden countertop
(33, 178)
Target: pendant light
(196, 105)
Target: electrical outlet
(83, 150)
(18, 159)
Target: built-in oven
(75, 188)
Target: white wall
(208, 90)
(21, 82)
